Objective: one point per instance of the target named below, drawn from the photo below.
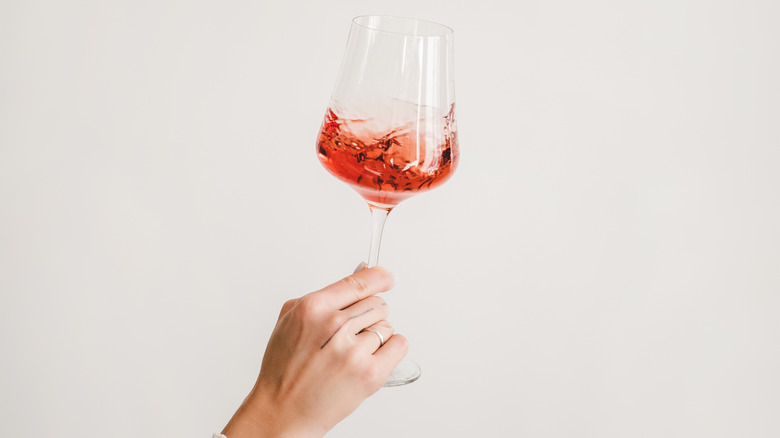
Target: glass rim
(445, 31)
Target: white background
(604, 263)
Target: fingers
(363, 314)
(371, 338)
(356, 287)
(355, 318)
(390, 354)
(383, 361)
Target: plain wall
(604, 263)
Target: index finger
(357, 286)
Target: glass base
(406, 372)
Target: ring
(376, 332)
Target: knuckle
(335, 321)
(310, 305)
(373, 379)
(357, 285)
(289, 304)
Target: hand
(320, 364)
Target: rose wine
(388, 165)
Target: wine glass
(389, 131)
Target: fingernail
(360, 267)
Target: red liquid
(389, 167)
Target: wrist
(260, 417)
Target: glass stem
(378, 217)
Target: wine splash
(388, 166)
